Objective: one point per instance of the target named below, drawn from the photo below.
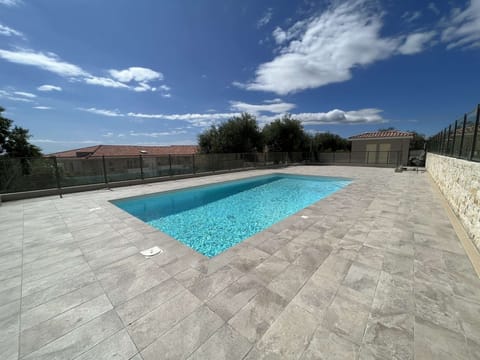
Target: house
(383, 147)
(126, 151)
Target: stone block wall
(459, 181)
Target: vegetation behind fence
(460, 139)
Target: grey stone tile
(435, 342)
(118, 346)
(256, 317)
(269, 269)
(106, 256)
(148, 300)
(389, 337)
(80, 340)
(347, 318)
(316, 295)
(363, 280)
(469, 316)
(434, 303)
(289, 335)
(334, 268)
(152, 325)
(185, 337)
(226, 343)
(234, 297)
(37, 336)
(397, 264)
(206, 287)
(289, 282)
(312, 257)
(329, 346)
(57, 289)
(372, 257)
(59, 305)
(394, 295)
(9, 295)
(247, 258)
(273, 243)
(188, 277)
(9, 329)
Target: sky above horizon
(79, 73)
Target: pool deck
(374, 271)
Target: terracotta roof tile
(382, 134)
(128, 150)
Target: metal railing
(460, 139)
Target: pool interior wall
(212, 218)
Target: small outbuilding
(383, 147)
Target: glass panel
(182, 164)
(468, 138)
(25, 174)
(124, 168)
(75, 171)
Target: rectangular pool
(212, 218)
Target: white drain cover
(304, 217)
(151, 252)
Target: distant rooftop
(127, 150)
(383, 134)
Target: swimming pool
(210, 219)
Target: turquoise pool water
(213, 218)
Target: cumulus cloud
(133, 78)
(462, 27)
(49, 88)
(415, 43)
(265, 19)
(325, 48)
(139, 74)
(336, 116)
(275, 107)
(104, 112)
(7, 31)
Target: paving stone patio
(375, 271)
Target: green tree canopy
(326, 142)
(239, 134)
(14, 141)
(285, 134)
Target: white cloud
(45, 61)
(50, 141)
(279, 35)
(10, 2)
(42, 107)
(275, 107)
(265, 19)
(462, 28)
(7, 31)
(139, 74)
(25, 94)
(363, 116)
(108, 134)
(411, 16)
(164, 87)
(167, 95)
(105, 82)
(415, 43)
(157, 134)
(111, 113)
(13, 96)
(433, 8)
(49, 88)
(273, 101)
(324, 49)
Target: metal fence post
(141, 168)
(475, 131)
(57, 176)
(105, 176)
(448, 139)
(463, 135)
(454, 139)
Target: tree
(285, 134)
(418, 141)
(239, 134)
(328, 142)
(14, 142)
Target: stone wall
(459, 181)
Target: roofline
(381, 137)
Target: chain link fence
(460, 139)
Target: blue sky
(81, 72)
